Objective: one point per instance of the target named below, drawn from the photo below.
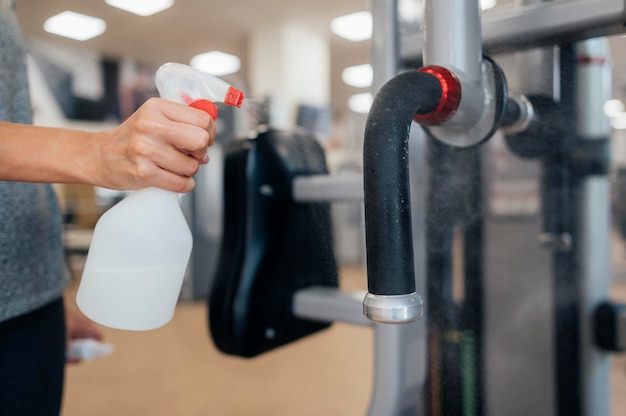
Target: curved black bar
(389, 240)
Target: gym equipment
(494, 338)
(251, 301)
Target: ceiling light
(613, 108)
(487, 4)
(355, 27)
(360, 103)
(216, 63)
(141, 7)
(618, 122)
(360, 76)
(75, 25)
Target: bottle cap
(206, 106)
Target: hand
(79, 327)
(162, 144)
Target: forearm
(42, 154)
(162, 144)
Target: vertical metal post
(452, 36)
(561, 214)
(455, 289)
(384, 49)
(540, 65)
(399, 349)
(594, 89)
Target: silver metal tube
(594, 84)
(452, 37)
(538, 67)
(331, 188)
(327, 304)
(400, 363)
(538, 25)
(398, 349)
(384, 41)
(399, 370)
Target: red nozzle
(450, 96)
(234, 97)
(206, 106)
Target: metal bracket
(398, 349)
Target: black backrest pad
(271, 247)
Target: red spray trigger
(207, 106)
(234, 97)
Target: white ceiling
(189, 27)
(194, 26)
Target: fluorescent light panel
(359, 76)
(216, 63)
(141, 7)
(487, 4)
(75, 25)
(618, 122)
(613, 108)
(360, 103)
(355, 27)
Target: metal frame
(594, 85)
(400, 349)
(396, 389)
(536, 25)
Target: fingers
(163, 166)
(196, 128)
(163, 144)
(167, 167)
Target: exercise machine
(477, 307)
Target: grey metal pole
(400, 350)
(541, 63)
(594, 84)
(384, 49)
(513, 29)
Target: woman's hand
(162, 144)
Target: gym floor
(176, 370)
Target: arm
(162, 144)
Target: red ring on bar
(591, 60)
(450, 96)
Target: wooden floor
(176, 371)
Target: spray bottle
(140, 248)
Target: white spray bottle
(140, 247)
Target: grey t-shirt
(32, 267)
